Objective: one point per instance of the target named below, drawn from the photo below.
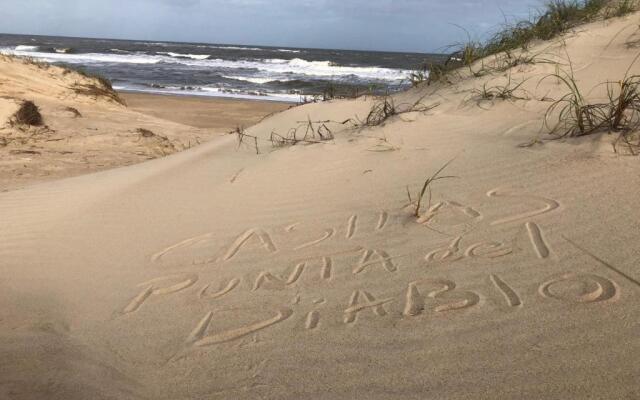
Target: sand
(204, 112)
(301, 273)
(83, 134)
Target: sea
(223, 70)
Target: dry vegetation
(426, 189)
(96, 90)
(508, 91)
(244, 139)
(162, 144)
(570, 115)
(27, 114)
(554, 18)
(573, 115)
(314, 132)
(98, 85)
(386, 108)
(73, 111)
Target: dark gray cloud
(401, 25)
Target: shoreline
(203, 97)
(290, 99)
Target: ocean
(220, 70)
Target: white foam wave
(27, 48)
(329, 69)
(248, 48)
(234, 48)
(217, 92)
(259, 81)
(274, 68)
(84, 58)
(180, 55)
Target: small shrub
(28, 114)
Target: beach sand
(84, 135)
(301, 272)
(204, 112)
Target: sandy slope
(100, 134)
(300, 273)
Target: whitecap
(27, 48)
(180, 55)
(259, 81)
(273, 69)
(217, 92)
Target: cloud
(402, 25)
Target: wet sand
(203, 112)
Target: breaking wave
(269, 69)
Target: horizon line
(221, 44)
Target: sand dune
(85, 133)
(300, 272)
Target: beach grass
(554, 18)
(426, 189)
(386, 108)
(96, 90)
(508, 91)
(575, 116)
(28, 114)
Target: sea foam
(275, 68)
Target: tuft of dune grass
(28, 114)
(96, 90)
(554, 18)
(574, 115)
(97, 86)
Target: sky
(388, 25)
